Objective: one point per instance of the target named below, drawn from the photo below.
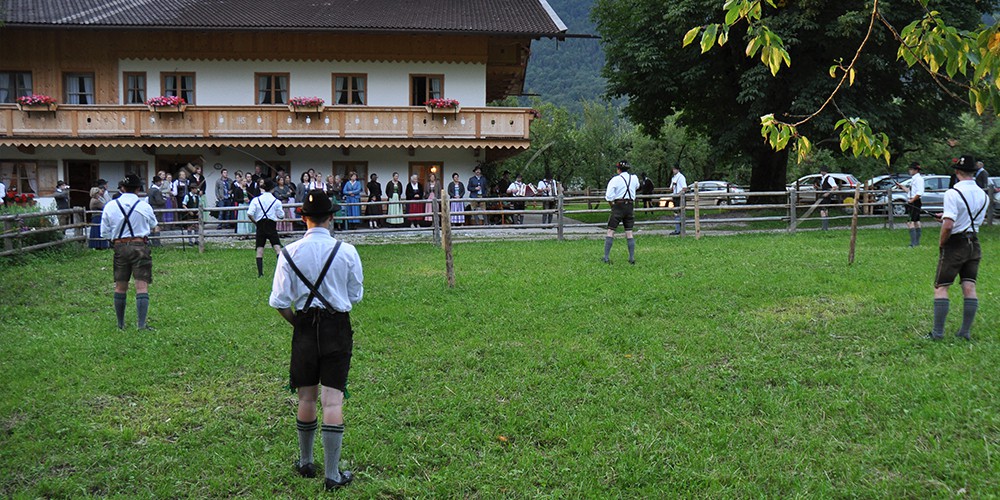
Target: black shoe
(606, 260)
(675, 233)
(345, 478)
(963, 336)
(147, 328)
(631, 261)
(931, 336)
(307, 470)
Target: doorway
(81, 176)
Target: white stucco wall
(231, 83)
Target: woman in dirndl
(170, 199)
(456, 191)
(97, 205)
(433, 188)
(352, 194)
(394, 189)
(374, 209)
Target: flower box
(177, 108)
(443, 111)
(37, 107)
(441, 105)
(305, 109)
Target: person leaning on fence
(127, 221)
(825, 187)
(265, 211)
(621, 195)
(959, 253)
(914, 205)
(316, 283)
(678, 186)
(157, 200)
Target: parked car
(711, 192)
(805, 187)
(931, 201)
(883, 182)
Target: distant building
(238, 64)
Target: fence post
(77, 223)
(8, 230)
(793, 213)
(436, 221)
(559, 216)
(697, 213)
(989, 206)
(201, 229)
(682, 216)
(888, 207)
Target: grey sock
(968, 314)
(608, 241)
(918, 237)
(940, 314)
(142, 308)
(913, 237)
(120, 309)
(631, 248)
(333, 437)
(826, 224)
(307, 435)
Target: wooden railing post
(201, 229)
(560, 206)
(682, 216)
(888, 208)
(8, 230)
(436, 219)
(793, 201)
(697, 214)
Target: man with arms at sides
(621, 195)
(477, 187)
(224, 196)
(914, 204)
(264, 211)
(127, 222)
(678, 186)
(965, 207)
(316, 283)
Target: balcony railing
(99, 121)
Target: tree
(725, 94)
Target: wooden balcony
(337, 126)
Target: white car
(715, 192)
(805, 187)
(931, 201)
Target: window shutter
(47, 174)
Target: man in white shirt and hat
(127, 221)
(621, 195)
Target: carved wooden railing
(81, 121)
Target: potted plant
(36, 102)
(306, 104)
(166, 104)
(442, 105)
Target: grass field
(730, 366)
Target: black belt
(623, 202)
(318, 311)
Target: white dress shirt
(343, 285)
(622, 186)
(259, 208)
(112, 218)
(916, 186)
(678, 183)
(3, 191)
(954, 207)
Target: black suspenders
(127, 222)
(628, 194)
(264, 216)
(972, 218)
(314, 288)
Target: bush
(28, 225)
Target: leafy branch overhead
(961, 62)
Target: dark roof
(513, 17)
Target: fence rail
(579, 212)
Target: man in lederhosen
(126, 221)
(965, 207)
(915, 204)
(317, 281)
(621, 196)
(264, 211)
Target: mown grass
(730, 366)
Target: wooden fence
(567, 213)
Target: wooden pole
(449, 263)
(809, 212)
(697, 214)
(854, 227)
(793, 210)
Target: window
(139, 169)
(271, 88)
(135, 88)
(424, 170)
(342, 168)
(350, 89)
(14, 84)
(178, 84)
(425, 87)
(79, 88)
(29, 176)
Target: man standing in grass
(127, 221)
(678, 186)
(964, 209)
(264, 211)
(317, 281)
(914, 205)
(621, 196)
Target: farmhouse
(239, 65)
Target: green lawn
(739, 366)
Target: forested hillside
(564, 73)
